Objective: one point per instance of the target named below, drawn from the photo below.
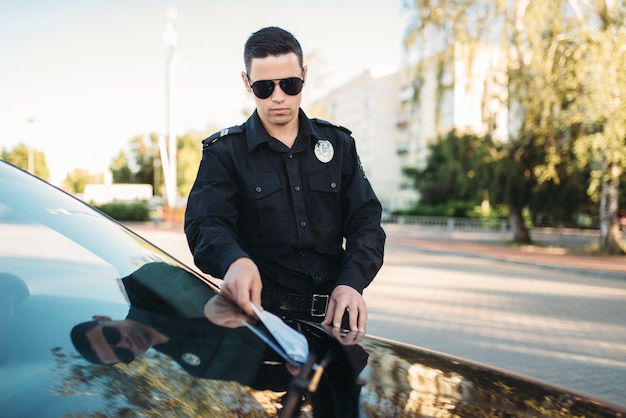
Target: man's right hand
(242, 284)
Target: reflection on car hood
(189, 351)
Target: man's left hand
(345, 298)
(223, 312)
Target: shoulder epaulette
(224, 132)
(327, 123)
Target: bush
(126, 211)
(450, 209)
(456, 209)
(497, 212)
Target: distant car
(155, 205)
(386, 216)
(96, 321)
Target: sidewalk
(470, 245)
(487, 248)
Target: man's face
(279, 108)
(118, 341)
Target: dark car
(96, 321)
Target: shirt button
(258, 189)
(290, 156)
(302, 254)
(297, 188)
(333, 185)
(302, 224)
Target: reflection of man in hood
(167, 313)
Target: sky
(79, 79)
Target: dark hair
(82, 344)
(268, 41)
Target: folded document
(294, 346)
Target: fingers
(347, 301)
(347, 337)
(235, 292)
(357, 318)
(242, 284)
(255, 293)
(361, 321)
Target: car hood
(63, 263)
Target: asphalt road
(542, 313)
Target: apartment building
(368, 106)
(394, 117)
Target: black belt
(315, 305)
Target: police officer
(281, 208)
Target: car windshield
(84, 292)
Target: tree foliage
(120, 170)
(142, 163)
(149, 387)
(189, 156)
(27, 159)
(457, 168)
(565, 74)
(145, 151)
(76, 180)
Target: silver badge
(191, 359)
(324, 150)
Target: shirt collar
(256, 133)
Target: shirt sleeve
(365, 238)
(211, 216)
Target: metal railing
(451, 224)
(440, 227)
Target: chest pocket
(262, 207)
(325, 215)
(260, 186)
(324, 184)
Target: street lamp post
(168, 154)
(29, 146)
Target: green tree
(145, 151)
(28, 159)
(76, 180)
(601, 109)
(144, 157)
(560, 200)
(120, 171)
(456, 168)
(150, 387)
(188, 159)
(565, 78)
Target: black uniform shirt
(288, 209)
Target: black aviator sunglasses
(264, 88)
(113, 336)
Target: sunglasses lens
(111, 334)
(291, 86)
(124, 354)
(114, 336)
(263, 88)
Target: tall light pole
(168, 154)
(31, 150)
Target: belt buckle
(314, 300)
